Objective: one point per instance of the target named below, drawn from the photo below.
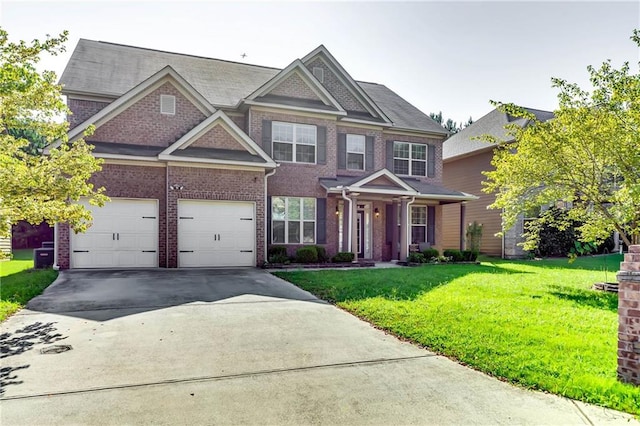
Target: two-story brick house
(208, 162)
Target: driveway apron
(236, 347)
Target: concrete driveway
(236, 347)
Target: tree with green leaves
(449, 124)
(36, 187)
(587, 158)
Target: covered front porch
(382, 216)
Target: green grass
(19, 282)
(534, 323)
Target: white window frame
(357, 138)
(410, 159)
(294, 143)
(163, 104)
(415, 224)
(301, 220)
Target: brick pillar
(629, 317)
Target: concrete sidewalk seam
(582, 413)
(220, 378)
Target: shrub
(416, 257)
(430, 253)
(307, 254)
(277, 251)
(279, 258)
(343, 257)
(322, 254)
(474, 236)
(469, 255)
(454, 254)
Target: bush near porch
(537, 324)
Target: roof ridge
(180, 54)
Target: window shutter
(390, 156)
(342, 151)
(322, 145)
(266, 137)
(268, 220)
(431, 225)
(321, 221)
(431, 161)
(391, 222)
(368, 161)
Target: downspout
(502, 227)
(166, 218)
(344, 196)
(409, 223)
(55, 247)
(266, 237)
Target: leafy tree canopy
(587, 157)
(36, 187)
(449, 124)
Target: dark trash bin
(42, 258)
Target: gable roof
(166, 74)
(297, 67)
(462, 143)
(181, 149)
(109, 70)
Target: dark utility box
(42, 258)
(47, 244)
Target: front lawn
(534, 323)
(19, 282)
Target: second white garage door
(216, 233)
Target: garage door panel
(216, 233)
(124, 234)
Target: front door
(360, 243)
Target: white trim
(401, 131)
(183, 162)
(364, 123)
(346, 80)
(153, 159)
(386, 173)
(78, 96)
(295, 108)
(300, 221)
(301, 70)
(167, 104)
(215, 161)
(294, 143)
(218, 117)
(138, 92)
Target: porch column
(463, 212)
(394, 237)
(354, 228)
(404, 243)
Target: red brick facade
(143, 124)
(219, 138)
(337, 89)
(83, 110)
(629, 317)
(294, 86)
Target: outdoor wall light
(337, 211)
(376, 211)
(176, 187)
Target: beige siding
(466, 175)
(5, 245)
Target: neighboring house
(209, 162)
(465, 158)
(5, 247)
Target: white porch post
(354, 227)
(404, 241)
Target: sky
(448, 56)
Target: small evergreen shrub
(277, 251)
(454, 254)
(430, 253)
(307, 254)
(416, 257)
(343, 257)
(469, 255)
(322, 254)
(279, 258)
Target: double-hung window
(355, 152)
(293, 220)
(294, 143)
(409, 159)
(418, 224)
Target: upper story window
(167, 104)
(355, 152)
(294, 143)
(409, 159)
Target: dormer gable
(342, 86)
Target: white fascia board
(295, 108)
(465, 197)
(416, 132)
(351, 188)
(365, 122)
(177, 158)
(386, 173)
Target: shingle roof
(423, 188)
(109, 69)
(462, 143)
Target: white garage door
(124, 234)
(216, 233)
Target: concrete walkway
(236, 347)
